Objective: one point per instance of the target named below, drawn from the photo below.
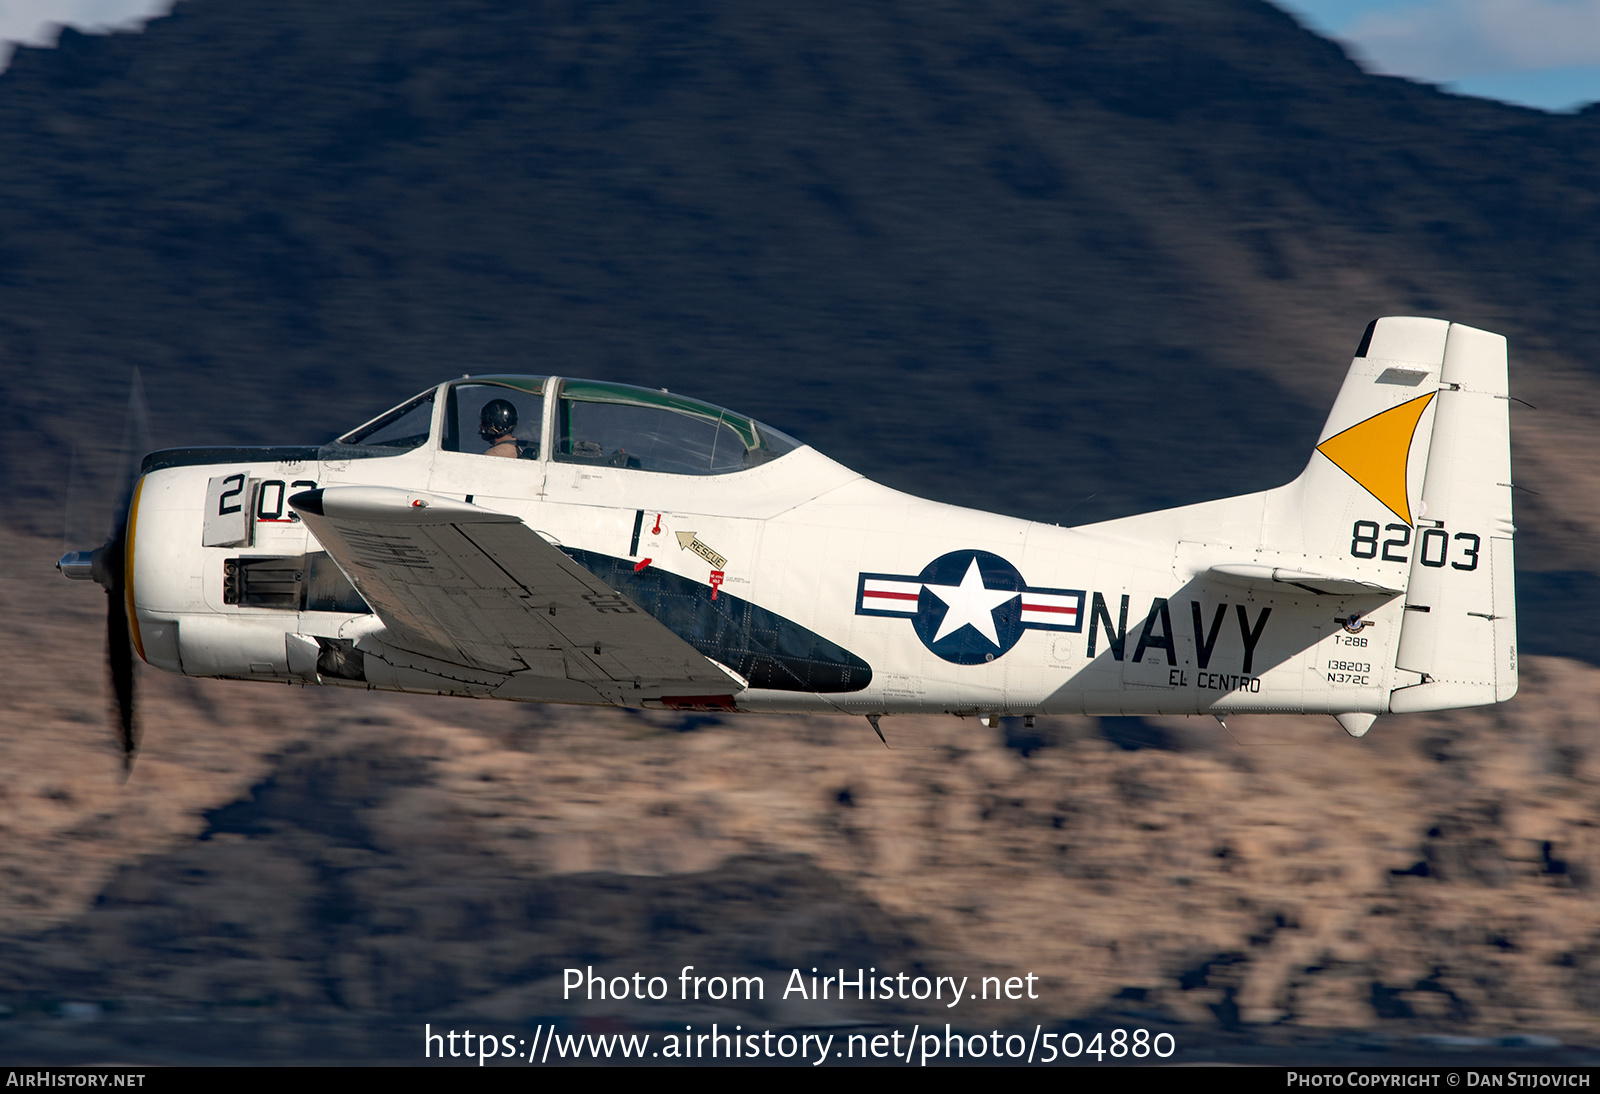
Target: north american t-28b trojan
(558, 540)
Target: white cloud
(1445, 40)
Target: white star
(970, 603)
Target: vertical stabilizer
(1386, 565)
(1354, 507)
(1458, 642)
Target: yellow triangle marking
(1375, 453)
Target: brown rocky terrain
(314, 873)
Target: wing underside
(472, 587)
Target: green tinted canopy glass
(594, 391)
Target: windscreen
(403, 428)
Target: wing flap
(471, 586)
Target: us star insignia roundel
(969, 607)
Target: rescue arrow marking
(688, 541)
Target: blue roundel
(970, 607)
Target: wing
(474, 587)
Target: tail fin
(1346, 524)
(1459, 637)
(1354, 507)
(1410, 487)
(1400, 521)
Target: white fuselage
(800, 536)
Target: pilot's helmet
(498, 420)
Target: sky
(1539, 53)
(36, 22)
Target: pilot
(495, 426)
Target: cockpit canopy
(603, 424)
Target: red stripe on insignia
(891, 596)
(1048, 608)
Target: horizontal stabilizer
(1323, 584)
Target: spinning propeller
(108, 565)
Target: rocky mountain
(1012, 254)
(303, 875)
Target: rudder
(1458, 641)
